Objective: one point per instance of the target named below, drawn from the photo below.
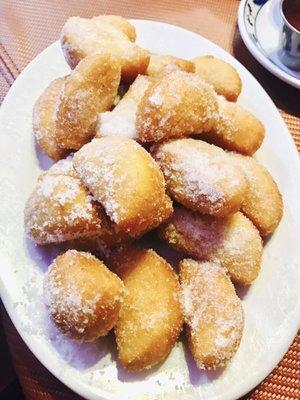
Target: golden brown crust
(159, 64)
(200, 176)
(236, 129)
(44, 120)
(233, 241)
(125, 179)
(82, 295)
(213, 313)
(151, 317)
(90, 89)
(174, 105)
(106, 35)
(221, 75)
(263, 203)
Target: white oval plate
(271, 304)
(259, 24)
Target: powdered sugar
(49, 184)
(63, 167)
(121, 121)
(156, 98)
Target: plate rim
(259, 55)
(85, 390)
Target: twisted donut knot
(176, 104)
(83, 295)
(111, 35)
(221, 75)
(213, 313)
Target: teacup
(289, 46)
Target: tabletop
(26, 28)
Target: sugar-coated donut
(106, 35)
(60, 208)
(121, 120)
(89, 90)
(83, 295)
(236, 129)
(44, 120)
(160, 63)
(263, 202)
(234, 242)
(150, 318)
(200, 176)
(176, 104)
(213, 313)
(221, 75)
(126, 180)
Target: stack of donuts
(146, 142)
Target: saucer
(259, 24)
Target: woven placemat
(27, 27)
